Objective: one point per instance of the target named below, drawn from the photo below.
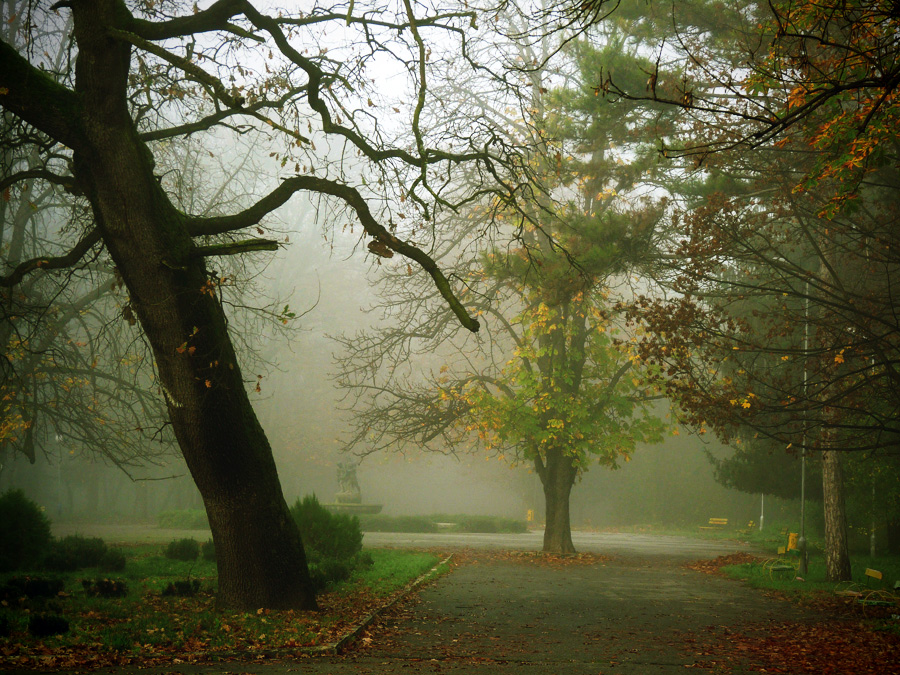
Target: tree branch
(67, 182)
(383, 239)
(235, 248)
(33, 96)
(213, 18)
(48, 263)
(190, 69)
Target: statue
(349, 487)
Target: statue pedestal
(354, 509)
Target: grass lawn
(150, 625)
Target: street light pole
(801, 543)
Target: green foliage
(183, 549)
(208, 550)
(330, 535)
(333, 542)
(76, 552)
(24, 532)
(183, 519)
(586, 399)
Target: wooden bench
(873, 576)
(785, 565)
(715, 524)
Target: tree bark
(260, 557)
(557, 476)
(837, 554)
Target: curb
(338, 647)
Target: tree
(816, 108)
(144, 75)
(551, 384)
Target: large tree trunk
(557, 476)
(837, 554)
(259, 554)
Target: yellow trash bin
(792, 541)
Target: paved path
(607, 543)
(641, 611)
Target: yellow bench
(715, 524)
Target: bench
(867, 596)
(715, 524)
(785, 565)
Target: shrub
(75, 552)
(186, 588)
(331, 535)
(113, 561)
(328, 571)
(183, 519)
(208, 550)
(183, 549)
(30, 587)
(383, 523)
(105, 588)
(491, 524)
(44, 625)
(24, 532)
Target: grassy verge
(876, 606)
(149, 626)
(814, 581)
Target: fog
(670, 484)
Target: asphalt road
(607, 543)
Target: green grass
(145, 622)
(183, 519)
(392, 569)
(815, 581)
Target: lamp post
(59, 449)
(762, 510)
(801, 542)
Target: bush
(44, 625)
(186, 588)
(24, 532)
(183, 519)
(183, 549)
(491, 524)
(328, 571)
(208, 550)
(382, 523)
(113, 561)
(30, 587)
(330, 535)
(105, 588)
(75, 552)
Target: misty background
(325, 278)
